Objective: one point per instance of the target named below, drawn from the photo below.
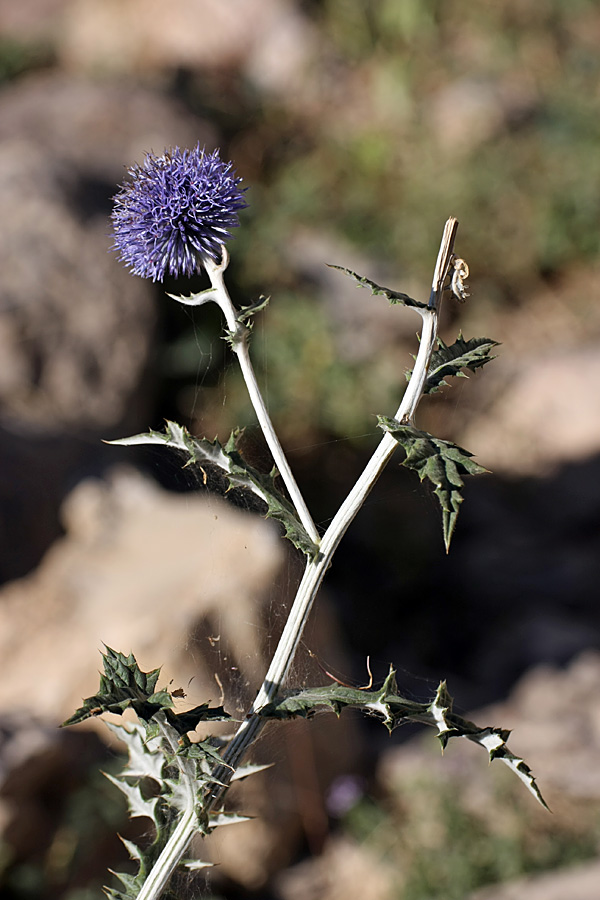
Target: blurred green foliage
(442, 849)
(488, 111)
(19, 57)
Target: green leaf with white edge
(244, 315)
(129, 882)
(395, 297)
(278, 506)
(441, 462)
(394, 710)
(249, 769)
(239, 473)
(180, 785)
(134, 851)
(195, 865)
(222, 818)
(137, 804)
(198, 299)
(450, 360)
(204, 750)
(145, 759)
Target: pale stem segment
(315, 569)
(239, 335)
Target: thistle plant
(174, 216)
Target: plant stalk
(315, 569)
(221, 296)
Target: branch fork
(281, 662)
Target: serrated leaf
(202, 750)
(222, 818)
(145, 760)
(492, 739)
(441, 462)
(195, 864)
(394, 710)
(124, 686)
(250, 769)
(198, 299)
(395, 297)
(134, 851)
(278, 506)
(238, 472)
(129, 882)
(138, 804)
(449, 361)
(246, 312)
(157, 750)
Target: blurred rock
(534, 408)
(176, 578)
(34, 20)
(467, 112)
(146, 35)
(75, 328)
(191, 584)
(95, 128)
(182, 581)
(544, 415)
(575, 883)
(43, 774)
(345, 870)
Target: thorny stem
(240, 346)
(176, 846)
(239, 342)
(315, 569)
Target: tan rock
(141, 570)
(345, 870)
(575, 883)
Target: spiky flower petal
(175, 209)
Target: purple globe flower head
(175, 209)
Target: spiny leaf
(124, 686)
(134, 851)
(222, 818)
(278, 507)
(138, 804)
(204, 750)
(394, 710)
(450, 360)
(145, 760)
(238, 472)
(376, 289)
(195, 864)
(492, 739)
(199, 299)
(180, 783)
(249, 769)
(442, 462)
(246, 312)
